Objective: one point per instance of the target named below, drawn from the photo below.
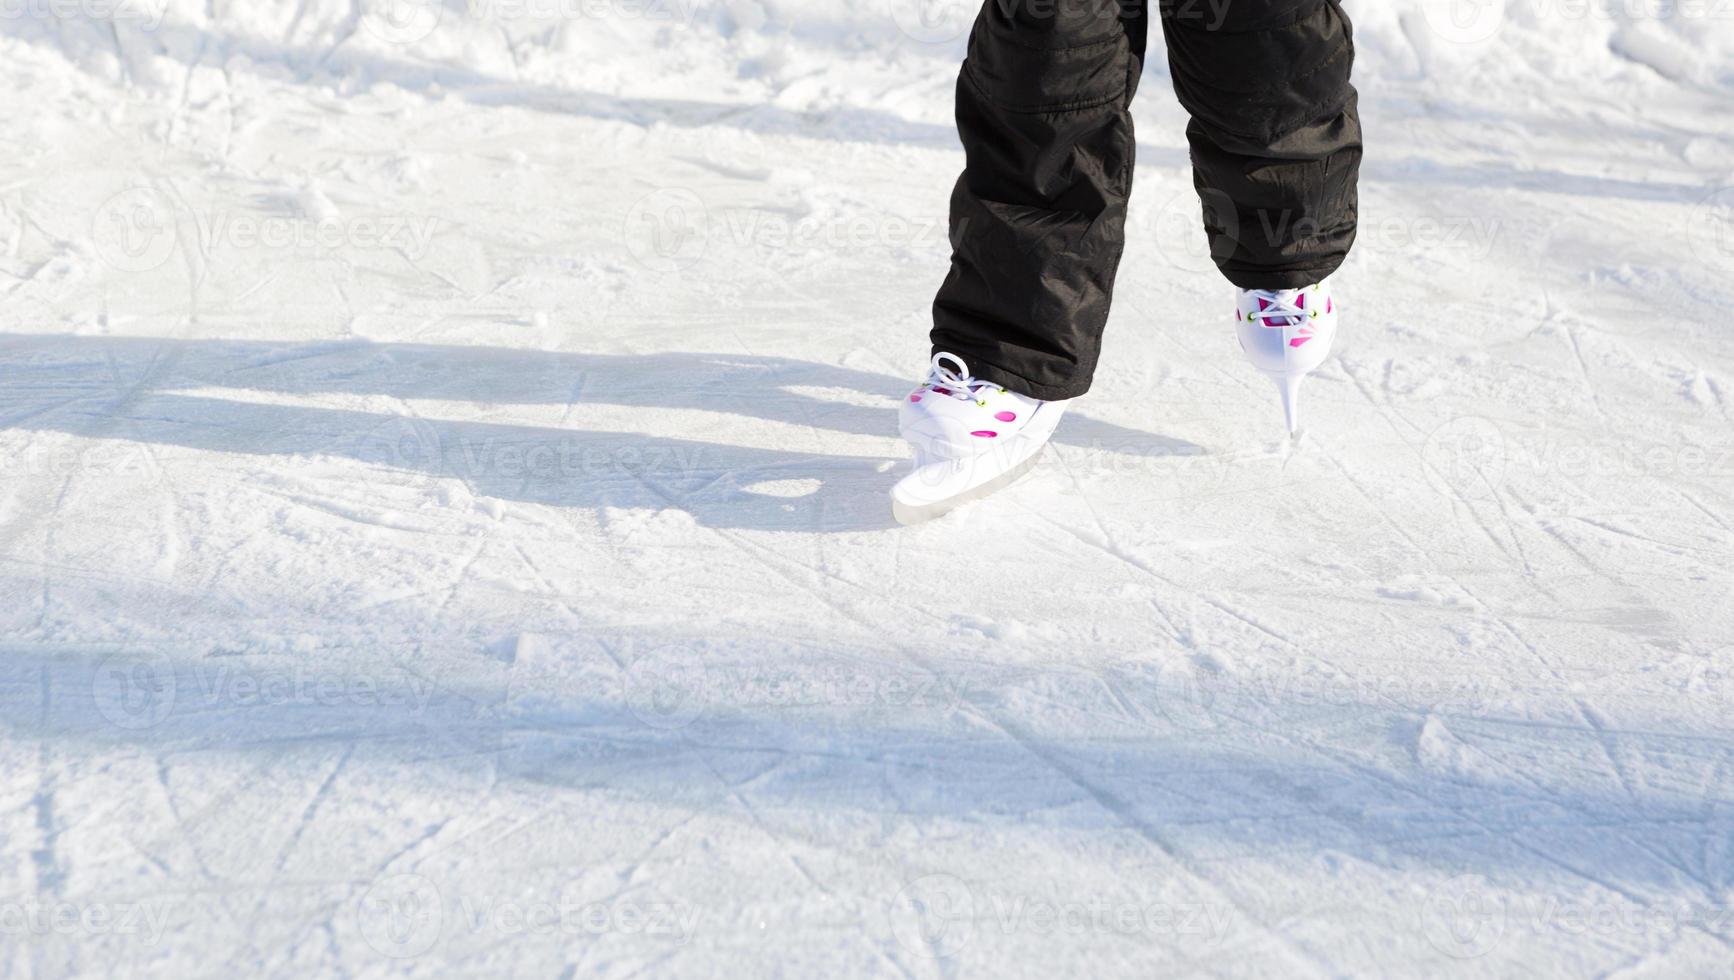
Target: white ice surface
(444, 524)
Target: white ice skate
(1287, 333)
(970, 437)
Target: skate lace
(956, 384)
(1278, 308)
(1288, 307)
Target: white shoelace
(1276, 307)
(958, 384)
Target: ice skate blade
(910, 512)
(1288, 389)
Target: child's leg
(1276, 142)
(1038, 217)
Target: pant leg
(1038, 217)
(1276, 140)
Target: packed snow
(444, 455)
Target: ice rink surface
(443, 519)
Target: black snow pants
(1038, 219)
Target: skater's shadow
(1136, 765)
(632, 431)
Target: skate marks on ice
(1192, 790)
(195, 47)
(734, 472)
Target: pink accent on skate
(1299, 341)
(984, 433)
(1006, 416)
(1327, 304)
(942, 391)
(914, 398)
